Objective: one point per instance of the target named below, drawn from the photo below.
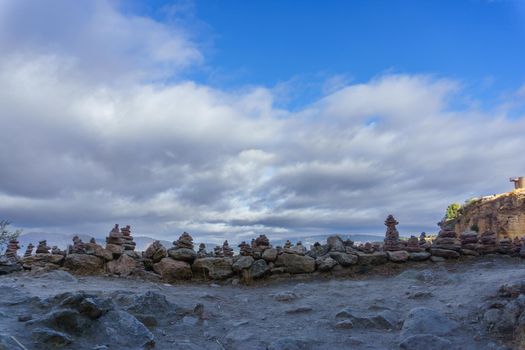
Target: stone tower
(519, 182)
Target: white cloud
(85, 145)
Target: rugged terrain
(428, 306)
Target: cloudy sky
(228, 119)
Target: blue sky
(480, 43)
(228, 119)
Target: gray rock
(385, 319)
(335, 244)
(285, 296)
(398, 255)
(344, 259)
(294, 263)
(344, 324)
(423, 320)
(270, 254)
(214, 268)
(444, 253)
(425, 342)
(288, 344)
(244, 262)
(182, 254)
(173, 270)
(59, 276)
(325, 263)
(419, 256)
(437, 259)
(376, 258)
(50, 337)
(84, 264)
(124, 331)
(123, 266)
(259, 269)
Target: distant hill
(307, 241)
(64, 240)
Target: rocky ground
(452, 305)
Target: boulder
(335, 244)
(294, 263)
(398, 255)
(123, 266)
(423, 320)
(155, 252)
(214, 268)
(325, 263)
(182, 254)
(425, 341)
(115, 249)
(270, 254)
(376, 258)
(420, 256)
(173, 270)
(243, 262)
(259, 269)
(444, 253)
(344, 259)
(51, 338)
(84, 264)
(124, 331)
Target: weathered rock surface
(398, 255)
(123, 266)
(214, 268)
(423, 320)
(84, 264)
(294, 263)
(173, 270)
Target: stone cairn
(226, 250)
(259, 245)
(29, 250)
(367, 248)
(78, 246)
(413, 245)
(42, 248)
(447, 237)
(56, 251)
(469, 240)
(183, 248)
(12, 247)
(115, 242)
(391, 242)
(128, 243)
(245, 249)
(217, 252)
(487, 243)
(202, 253)
(423, 241)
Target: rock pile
(413, 245)
(42, 248)
(488, 243)
(11, 250)
(78, 246)
(391, 242)
(154, 253)
(183, 249)
(202, 253)
(115, 242)
(245, 249)
(128, 243)
(29, 250)
(226, 250)
(446, 245)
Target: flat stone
(444, 253)
(344, 259)
(398, 255)
(182, 254)
(173, 270)
(244, 262)
(294, 263)
(84, 264)
(419, 256)
(214, 268)
(270, 254)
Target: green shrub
(6, 235)
(453, 211)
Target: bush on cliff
(453, 211)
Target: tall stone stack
(29, 250)
(11, 250)
(202, 253)
(115, 242)
(217, 252)
(488, 243)
(78, 246)
(42, 248)
(413, 245)
(226, 250)
(391, 242)
(245, 249)
(259, 245)
(127, 238)
(183, 249)
(446, 245)
(469, 240)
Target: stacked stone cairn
(42, 247)
(505, 246)
(128, 239)
(469, 242)
(29, 250)
(202, 253)
(413, 245)
(115, 242)
(395, 249)
(226, 250)
(446, 245)
(9, 262)
(11, 250)
(488, 243)
(153, 254)
(217, 252)
(245, 249)
(423, 243)
(183, 249)
(78, 246)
